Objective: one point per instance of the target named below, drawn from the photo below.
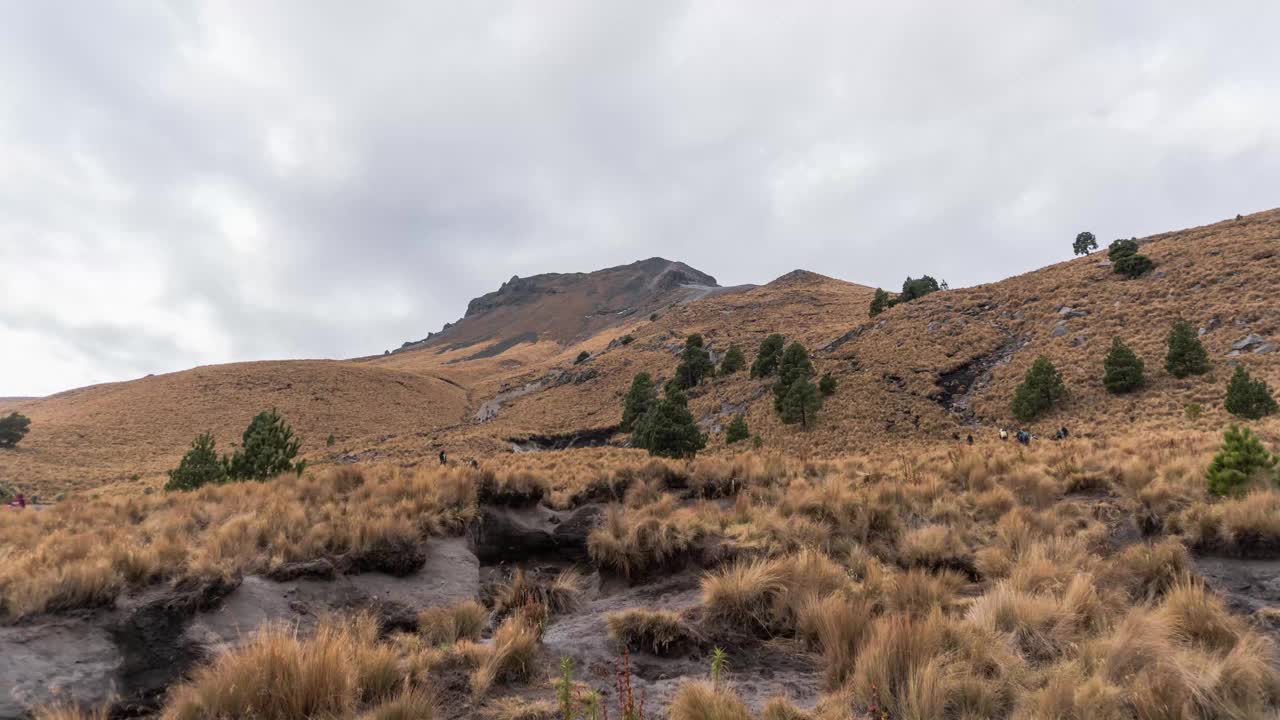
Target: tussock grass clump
(659, 632)
(413, 703)
(561, 594)
(780, 708)
(836, 625)
(1147, 570)
(278, 676)
(515, 488)
(510, 658)
(68, 711)
(936, 547)
(84, 551)
(766, 595)
(639, 540)
(702, 700)
(447, 625)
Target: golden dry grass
(854, 558)
(83, 551)
(659, 632)
(447, 625)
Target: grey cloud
(327, 180)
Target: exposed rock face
(1253, 343)
(563, 307)
(130, 654)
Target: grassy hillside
(893, 371)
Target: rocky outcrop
(1252, 343)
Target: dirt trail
(1250, 587)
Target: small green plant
(719, 662)
(653, 316)
(737, 430)
(880, 302)
(564, 688)
(592, 707)
(1241, 460)
(629, 706)
(1133, 266)
(582, 357)
(1247, 397)
(1194, 411)
(1084, 243)
(626, 340)
(1122, 248)
(13, 428)
(757, 442)
(329, 441)
(827, 385)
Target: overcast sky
(190, 183)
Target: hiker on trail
(443, 459)
(1064, 432)
(969, 439)
(1004, 434)
(1024, 437)
(19, 502)
(474, 463)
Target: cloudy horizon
(204, 182)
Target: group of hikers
(1024, 437)
(19, 502)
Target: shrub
(267, 449)
(13, 428)
(329, 441)
(827, 385)
(733, 361)
(1186, 354)
(639, 399)
(626, 340)
(1085, 242)
(766, 362)
(1122, 249)
(695, 363)
(1040, 391)
(737, 430)
(1241, 459)
(1193, 411)
(199, 467)
(1248, 398)
(880, 302)
(582, 357)
(1123, 369)
(668, 428)
(1133, 265)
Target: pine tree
(880, 302)
(827, 385)
(1085, 242)
(668, 428)
(13, 428)
(199, 467)
(795, 364)
(766, 362)
(638, 400)
(733, 361)
(918, 288)
(695, 362)
(1241, 459)
(267, 449)
(801, 403)
(1123, 369)
(1248, 398)
(1186, 355)
(1040, 391)
(737, 430)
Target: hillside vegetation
(943, 364)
